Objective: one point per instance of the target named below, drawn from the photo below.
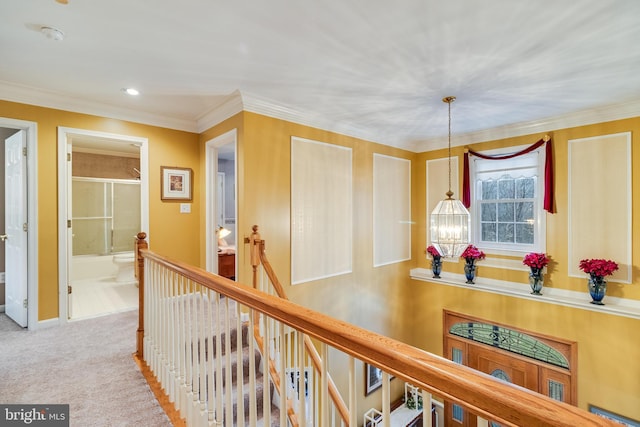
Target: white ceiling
(375, 69)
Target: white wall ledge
(580, 300)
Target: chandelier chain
(449, 102)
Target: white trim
(629, 260)
(581, 300)
(211, 170)
(337, 259)
(50, 99)
(63, 185)
(227, 109)
(589, 116)
(31, 130)
(540, 234)
(2, 308)
(49, 323)
(238, 101)
(379, 221)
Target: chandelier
(450, 232)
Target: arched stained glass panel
(509, 340)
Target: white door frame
(31, 131)
(64, 185)
(211, 173)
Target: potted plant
(536, 261)
(598, 269)
(471, 254)
(436, 264)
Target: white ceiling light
(450, 232)
(52, 33)
(131, 91)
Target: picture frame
(372, 378)
(613, 417)
(176, 184)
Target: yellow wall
(166, 147)
(607, 345)
(386, 301)
(381, 299)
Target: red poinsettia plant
(598, 267)
(431, 250)
(536, 260)
(472, 253)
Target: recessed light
(52, 33)
(130, 91)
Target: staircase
(258, 381)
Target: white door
(69, 257)
(15, 206)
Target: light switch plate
(185, 207)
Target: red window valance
(548, 171)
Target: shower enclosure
(106, 215)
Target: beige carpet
(87, 364)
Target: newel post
(255, 254)
(141, 244)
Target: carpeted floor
(87, 364)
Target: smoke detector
(52, 33)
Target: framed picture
(613, 417)
(176, 183)
(372, 378)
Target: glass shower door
(92, 217)
(126, 215)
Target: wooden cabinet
(227, 265)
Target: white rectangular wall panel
(600, 202)
(391, 209)
(321, 210)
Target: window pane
(556, 390)
(488, 232)
(525, 188)
(488, 212)
(505, 233)
(456, 355)
(524, 212)
(505, 212)
(506, 189)
(458, 413)
(489, 190)
(524, 233)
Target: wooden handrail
(258, 256)
(479, 392)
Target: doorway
(103, 204)
(541, 363)
(19, 226)
(221, 205)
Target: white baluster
(239, 367)
(253, 412)
(353, 410)
(386, 401)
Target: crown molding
(44, 98)
(231, 106)
(242, 101)
(580, 118)
(269, 108)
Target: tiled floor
(97, 297)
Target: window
(507, 202)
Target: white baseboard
(2, 308)
(49, 323)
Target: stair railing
(190, 319)
(269, 283)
